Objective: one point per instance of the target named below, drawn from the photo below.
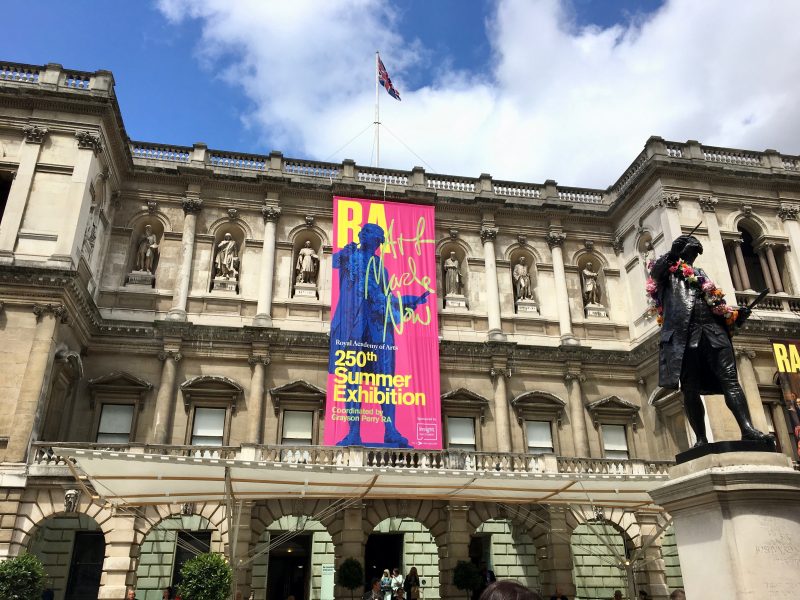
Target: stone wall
(672, 565)
(512, 554)
(419, 550)
(595, 564)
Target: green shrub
(22, 578)
(350, 574)
(205, 577)
(466, 576)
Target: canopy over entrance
(128, 479)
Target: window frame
(626, 432)
(118, 387)
(314, 425)
(299, 396)
(525, 436)
(467, 404)
(226, 424)
(538, 405)
(134, 418)
(210, 392)
(475, 435)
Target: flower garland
(713, 296)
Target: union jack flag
(386, 81)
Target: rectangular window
(208, 428)
(297, 427)
(461, 433)
(540, 436)
(115, 424)
(615, 443)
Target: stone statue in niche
(307, 265)
(592, 292)
(523, 290)
(306, 272)
(453, 283)
(226, 265)
(146, 259)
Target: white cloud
(561, 102)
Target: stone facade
(83, 328)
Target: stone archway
(509, 551)
(599, 552)
(72, 549)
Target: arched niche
(143, 258)
(227, 261)
(454, 289)
(594, 291)
(645, 251)
(307, 259)
(522, 258)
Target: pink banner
(383, 371)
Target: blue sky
(524, 89)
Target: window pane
(461, 433)
(208, 427)
(615, 443)
(540, 436)
(115, 424)
(297, 426)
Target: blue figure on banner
(360, 323)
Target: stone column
(121, 558)
(651, 574)
(733, 267)
(773, 269)
(762, 258)
(457, 541)
(35, 381)
(577, 413)
(165, 399)
(243, 574)
(191, 206)
(747, 377)
(488, 236)
(714, 253)
(555, 558)
(349, 542)
(255, 400)
(20, 190)
(737, 252)
(670, 217)
(555, 239)
(788, 214)
(502, 419)
(264, 310)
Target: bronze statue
(696, 350)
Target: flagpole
(377, 114)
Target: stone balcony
(45, 462)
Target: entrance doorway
(290, 569)
(86, 566)
(383, 551)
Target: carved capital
(496, 372)
(708, 203)
(555, 239)
(617, 244)
(745, 352)
(256, 359)
(34, 134)
(488, 234)
(232, 214)
(575, 376)
(271, 213)
(191, 205)
(669, 200)
(59, 311)
(89, 141)
(788, 212)
(152, 206)
(173, 354)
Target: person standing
(386, 585)
(397, 581)
(411, 584)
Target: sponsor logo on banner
(787, 359)
(383, 369)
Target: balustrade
(516, 190)
(630, 173)
(166, 153)
(238, 161)
(674, 150)
(731, 157)
(580, 195)
(19, 73)
(451, 184)
(382, 176)
(311, 169)
(76, 80)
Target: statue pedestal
(595, 311)
(227, 286)
(527, 307)
(737, 524)
(143, 278)
(305, 290)
(455, 302)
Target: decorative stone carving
(271, 213)
(191, 205)
(89, 141)
(747, 210)
(255, 359)
(309, 220)
(226, 265)
(523, 289)
(708, 203)
(522, 239)
(454, 234)
(555, 239)
(152, 207)
(173, 354)
(617, 244)
(588, 244)
(71, 499)
(232, 214)
(669, 200)
(488, 234)
(89, 238)
(34, 134)
(453, 283)
(187, 509)
(746, 352)
(306, 270)
(788, 212)
(59, 311)
(496, 372)
(592, 292)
